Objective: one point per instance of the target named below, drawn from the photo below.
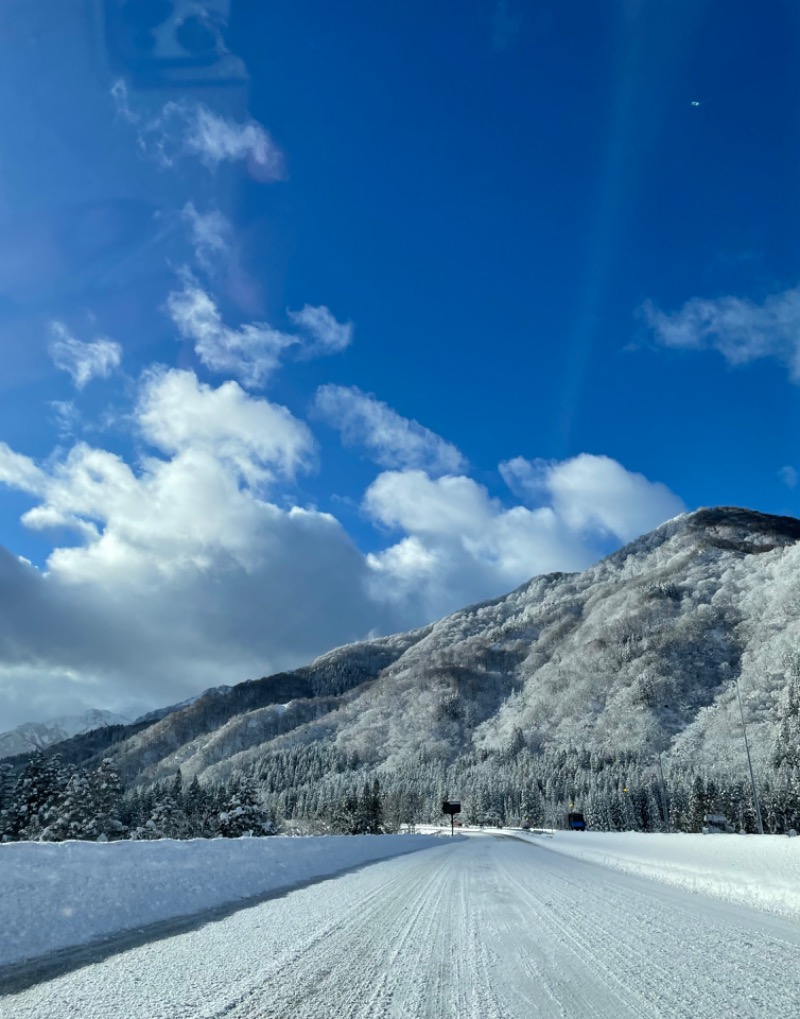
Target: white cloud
(183, 573)
(460, 544)
(216, 251)
(188, 128)
(19, 471)
(327, 335)
(393, 441)
(221, 447)
(414, 502)
(788, 476)
(252, 353)
(83, 361)
(122, 103)
(66, 415)
(211, 235)
(177, 413)
(459, 539)
(594, 493)
(739, 329)
(217, 139)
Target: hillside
(633, 657)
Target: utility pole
(664, 793)
(756, 804)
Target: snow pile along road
(762, 871)
(64, 894)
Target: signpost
(451, 807)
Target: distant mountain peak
(40, 735)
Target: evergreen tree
(36, 797)
(89, 807)
(787, 742)
(243, 814)
(698, 803)
(197, 806)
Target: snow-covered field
(761, 871)
(59, 895)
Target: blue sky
(371, 312)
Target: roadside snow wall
(64, 894)
(762, 871)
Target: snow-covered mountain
(38, 735)
(159, 713)
(636, 655)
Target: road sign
(451, 807)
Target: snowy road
(482, 928)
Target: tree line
(51, 802)
(319, 788)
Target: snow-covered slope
(38, 735)
(159, 713)
(638, 652)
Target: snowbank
(762, 871)
(59, 895)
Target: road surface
(481, 928)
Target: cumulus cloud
(739, 329)
(460, 539)
(83, 361)
(177, 413)
(392, 440)
(788, 476)
(457, 537)
(594, 493)
(188, 128)
(183, 571)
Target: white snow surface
(65, 894)
(760, 871)
(484, 927)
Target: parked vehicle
(576, 821)
(715, 823)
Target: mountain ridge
(636, 654)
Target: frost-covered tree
(787, 741)
(89, 807)
(35, 798)
(243, 814)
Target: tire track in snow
(683, 956)
(392, 956)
